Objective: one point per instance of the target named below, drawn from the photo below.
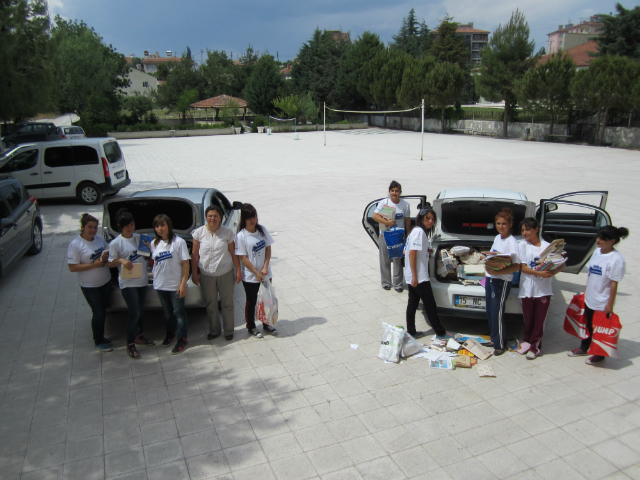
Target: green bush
(258, 121)
(156, 127)
(97, 129)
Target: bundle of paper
(387, 212)
(497, 257)
(557, 246)
(551, 262)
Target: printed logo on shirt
(399, 216)
(595, 269)
(134, 256)
(532, 263)
(162, 256)
(259, 246)
(95, 256)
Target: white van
(466, 218)
(87, 169)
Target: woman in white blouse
(212, 260)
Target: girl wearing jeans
(88, 255)
(123, 253)
(606, 269)
(498, 285)
(170, 274)
(416, 274)
(253, 246)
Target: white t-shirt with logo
(167, 263)
(215, 258)
(419, 242)
(127, 248)
(603, 269)
(530, 285)
(402, 212)
(509, 246)
(254, 247)
(82, 252)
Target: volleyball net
(286, 121)
(375, 112)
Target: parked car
(466, 218)
(20, 223)
(28, 132)
(87, 169)
(185, 207)
(71, 132)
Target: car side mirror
(551, 207)
(6, 223)
(237, 205)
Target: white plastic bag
(267, 304)
(391, 343)
(410, 346)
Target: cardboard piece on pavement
(478, 350)
(464, 361)
(485, 371)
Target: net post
(324, 121)
(422, 139)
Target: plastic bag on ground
(267, 304)
(391, 344)
(410, 346)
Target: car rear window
(73, 130)
(112, 152)
(477, 217)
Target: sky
(282, 26)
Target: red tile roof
(470, 30)
(287, 70)
(161, 59)
(579, 54)
(219, 101)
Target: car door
(58, 175)
(416, 202)
(24, 165)
(231, 216)
(10, 236)
(575, 222)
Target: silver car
(71, 132)
(185, 207)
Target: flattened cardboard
(135, 272)
(478, 350)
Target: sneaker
(211, 336)
(593, 359)
(399, 290)
(578, 352)
(168, 340)
(104, 348)
(255, 333)
(107, 341)
(531, 355)
(444, 337)
(270, 329)
(498, 351)
(387, 287)
(142, 340)
(132, 351)
(181, 346)
(228, 338)
(417, 334)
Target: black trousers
(423, 292)
(586, 343)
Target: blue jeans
(98, 299)
(134, 298)
(497, 293)
(174, 314)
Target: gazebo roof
(221, 101)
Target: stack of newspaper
(552, 257)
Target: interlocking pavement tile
(207, 465)
(297, 467)
(199, 443)
(383, 467)
(124, 461)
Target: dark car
(29, 132)
(20, 223)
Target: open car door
(416, 202)
(577, 223)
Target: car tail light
(64, 136)
(85, 135)
(33, 199)
(105, 168)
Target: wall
(137, 78)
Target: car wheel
(10, 143)
(36, 239)
(89, 193)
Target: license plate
(465, 301)
(120, 174)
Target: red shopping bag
(606, 332)
(575, 321)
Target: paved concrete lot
(306, 405)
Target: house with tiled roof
(579, 54)
(474, 39)
(570, 35)
(220, 102)
(286, 71)
(150, 62)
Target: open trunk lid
(183, 214)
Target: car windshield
(113, 152)
(8, 153)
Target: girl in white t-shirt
(253, 246)
(416, 274)
(535, 287)
(606, 269)
(88, 256)
(498, 282)
(123, 253)
(170, 274)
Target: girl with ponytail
(606, 269)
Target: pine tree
(444, 84)
(263, 85)
(447, 45)
(411, 36)
(414, 82)
(621, 33)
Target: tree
(217, 73)
(609, 82)
(181, 78)
(263, 85)
(316, 70)
(444, 84)
(621, 33)
(414, 82)
(25, 82)
(412, 36)
(504, 62)
(545, 88)
(447, 45)
(384, 74)
(135, 61)
(183, 104)
(139, 106)
(89, 75)
(364, 49)
(289, 106)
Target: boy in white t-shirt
(402, 219)
(606, 269)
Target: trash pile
(461, 351)
(465, 264)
